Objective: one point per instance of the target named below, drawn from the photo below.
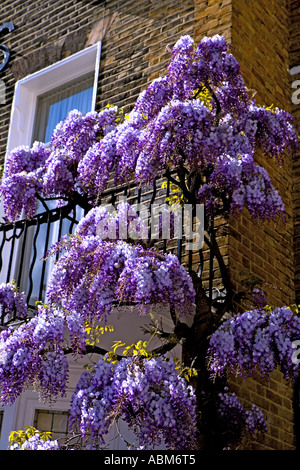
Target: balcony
(24, 244)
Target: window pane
(60, 110)
(43, 420)
(54, 106)
(60, 423)
(55, 422)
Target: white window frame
(29, 88)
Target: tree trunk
(195, 346)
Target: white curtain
(55, 106)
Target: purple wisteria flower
(256, 340)
(33, 354)
(96, 166)
(239, 420)
(19, 194)
(99, 268)
(12, 301)
(58, 180)
(76, 134)
(243, 184)
(26, 159)
(155, 97)
(94, 275)
(155, 402)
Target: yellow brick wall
(260, 32)
(275, 398)
(260, 40)
(295, 61)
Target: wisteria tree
(199, 127)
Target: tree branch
(218, 106)
(89, 350)
(213, 245)
(181, 172)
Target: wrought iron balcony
(24, 244)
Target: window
(31, 88)
(55, 422)
(41, 101)
(55, 105)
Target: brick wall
(260, 40)
(294, 61)
(136, 48)
(260, 35)
(137, 37)
(276, 398)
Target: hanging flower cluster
(98, 270)
(108, 223)
(94, 275)
(148, 393)
(195, 117)
(155, 402)
(52, 171)
(12, 302)
(237, 420)
(257, 340)
(238, 182)
(33, 354)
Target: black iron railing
(23, 244)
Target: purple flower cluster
(239, 420)
(155, 402)
(32, 354)
(36, 443)
(78, 132)
(256, 340)
(182, 133)
(121, 224)
(275, 132)
(19, 193)
(177, 128)
(208, 64)
(23, 172)
(72, 139)
(99, 270)
(96, 166)
(52, 171)
(94, 275)
(150, 101)
(243, 184)
(57, 178)
(12, 301)
(26, 159)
